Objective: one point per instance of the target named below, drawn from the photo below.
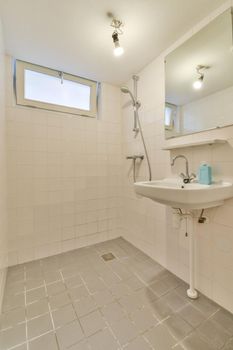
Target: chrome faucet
(187, 178)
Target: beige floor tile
(21, 347)
(12, 336)
(224, 319)
(131, 303)
(103, 340)
(14, 288)
(213, 333)
(94, 284)
(143, 320)
(34, 273)
(138, 344)
(160, 288)
(124, 330)
(120, 289)
(92, 323)
(161, 309)
(85, 306)
(69, 271)
(205, 305)
(178, 327)
(39, 326)
(35, 294)
(69, 335)
(195, 342)
(134, 283)
(83, 345)
(37, 308)
(160, 338)
(52, 276)
(73, 281)
(55, 288)
(45, 342)
(34, 283)
(175, 301)
(64, 315)
(59, 300)
(78, 292)
(229, 345)
(15, 277)
(12, 317)
(192, 315)
(146, 295)
(113, 312)
(103, 298)
(13, 301)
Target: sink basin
(175, 193)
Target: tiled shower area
(79, 300)
(85, 262)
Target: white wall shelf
(195, 144)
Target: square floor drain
(108, 257)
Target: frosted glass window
(168, 116)
(49, 89)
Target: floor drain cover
(108, 257)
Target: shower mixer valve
(134, 158)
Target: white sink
(175, 193)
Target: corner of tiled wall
(3, 213)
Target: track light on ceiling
(117, 25)
(199, 82)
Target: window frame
(171, 125)
(21, 66)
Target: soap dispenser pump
(205, 174)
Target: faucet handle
(185, 178)
(193, 176)
(182, 176)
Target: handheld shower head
(125, 90)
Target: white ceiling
(75, 36)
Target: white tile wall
(149, 225)
(63, 177)
(3, 221)
(212, 110)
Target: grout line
(25, 301)
(71, 301)
(50, 313)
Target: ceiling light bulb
(118, 50)
(198, 83)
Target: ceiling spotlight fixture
(117, 25)
(118, 50)
(199, 82)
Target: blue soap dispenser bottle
(205, 174)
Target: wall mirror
(199, 80)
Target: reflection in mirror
(199, 80)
